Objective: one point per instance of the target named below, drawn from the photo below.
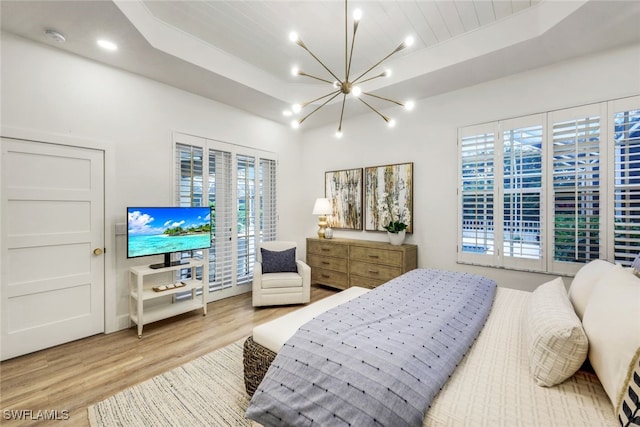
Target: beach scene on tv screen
(160, 230)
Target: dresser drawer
(331, 278)
(328, 249)
(337, 264)
(374, 271)
(375, 255)
(365, 282)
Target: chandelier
(347, 85)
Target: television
(165, 230)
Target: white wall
(64, 98)
(428, 138)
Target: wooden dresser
(342, 263)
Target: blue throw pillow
(279, 261)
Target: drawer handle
(325, 249)
(325, 263)
(374, 256)
(326, 276)
(373, 271)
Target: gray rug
(208, 391)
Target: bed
(522, 368)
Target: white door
(52, 241)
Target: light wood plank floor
(75, 375)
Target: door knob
(97, 251)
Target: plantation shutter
(246, 208)
(239, 185)
(222, 217)
(522, 142)
(477, 187)
(626, 146)
(577, 199)
(268, 214)
(188, 169)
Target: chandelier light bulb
(295, 71)
(388, 72)
(356, 91)
(391, 123)
(408, 42)
(357, 15)
(409, 105)
(338, 134)
(336, 84)
(296, 108)
(106, 44)
(295, 124)
(293, 36)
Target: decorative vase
(328, 233)
(396, 239)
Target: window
(626, 169)
(501, 187)
(534, 190)
(242, 200)
(522, 198)
(578, 160)
(478, 187)
(246, 208)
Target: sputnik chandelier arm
(408, 105)
(335, 93)
(389, 121)
(346, 86)
(404, 44)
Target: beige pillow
(584, 282)
(556, 341)
(612, 323)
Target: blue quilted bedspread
(378, 360)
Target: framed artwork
(388, 196)
(344, 189)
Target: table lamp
(322, 207)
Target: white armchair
(278, 277)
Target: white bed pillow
(557, 344)
(584, 282)
(612, 323)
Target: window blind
(576, 190)
(220, 199)
(189, 170)
(522, 199)
(246, 208)
(268, 213)
(626, 146)
(552, 190)
(477, 188)
(239, 185)
(189, 177)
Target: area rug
(206, 391)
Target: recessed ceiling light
(106, 44)
(55, 35)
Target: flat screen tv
(165, 230)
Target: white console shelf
(144, 310)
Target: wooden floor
(72, 376)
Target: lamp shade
(322, 207)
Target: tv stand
(168, 263)
(147, 306)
